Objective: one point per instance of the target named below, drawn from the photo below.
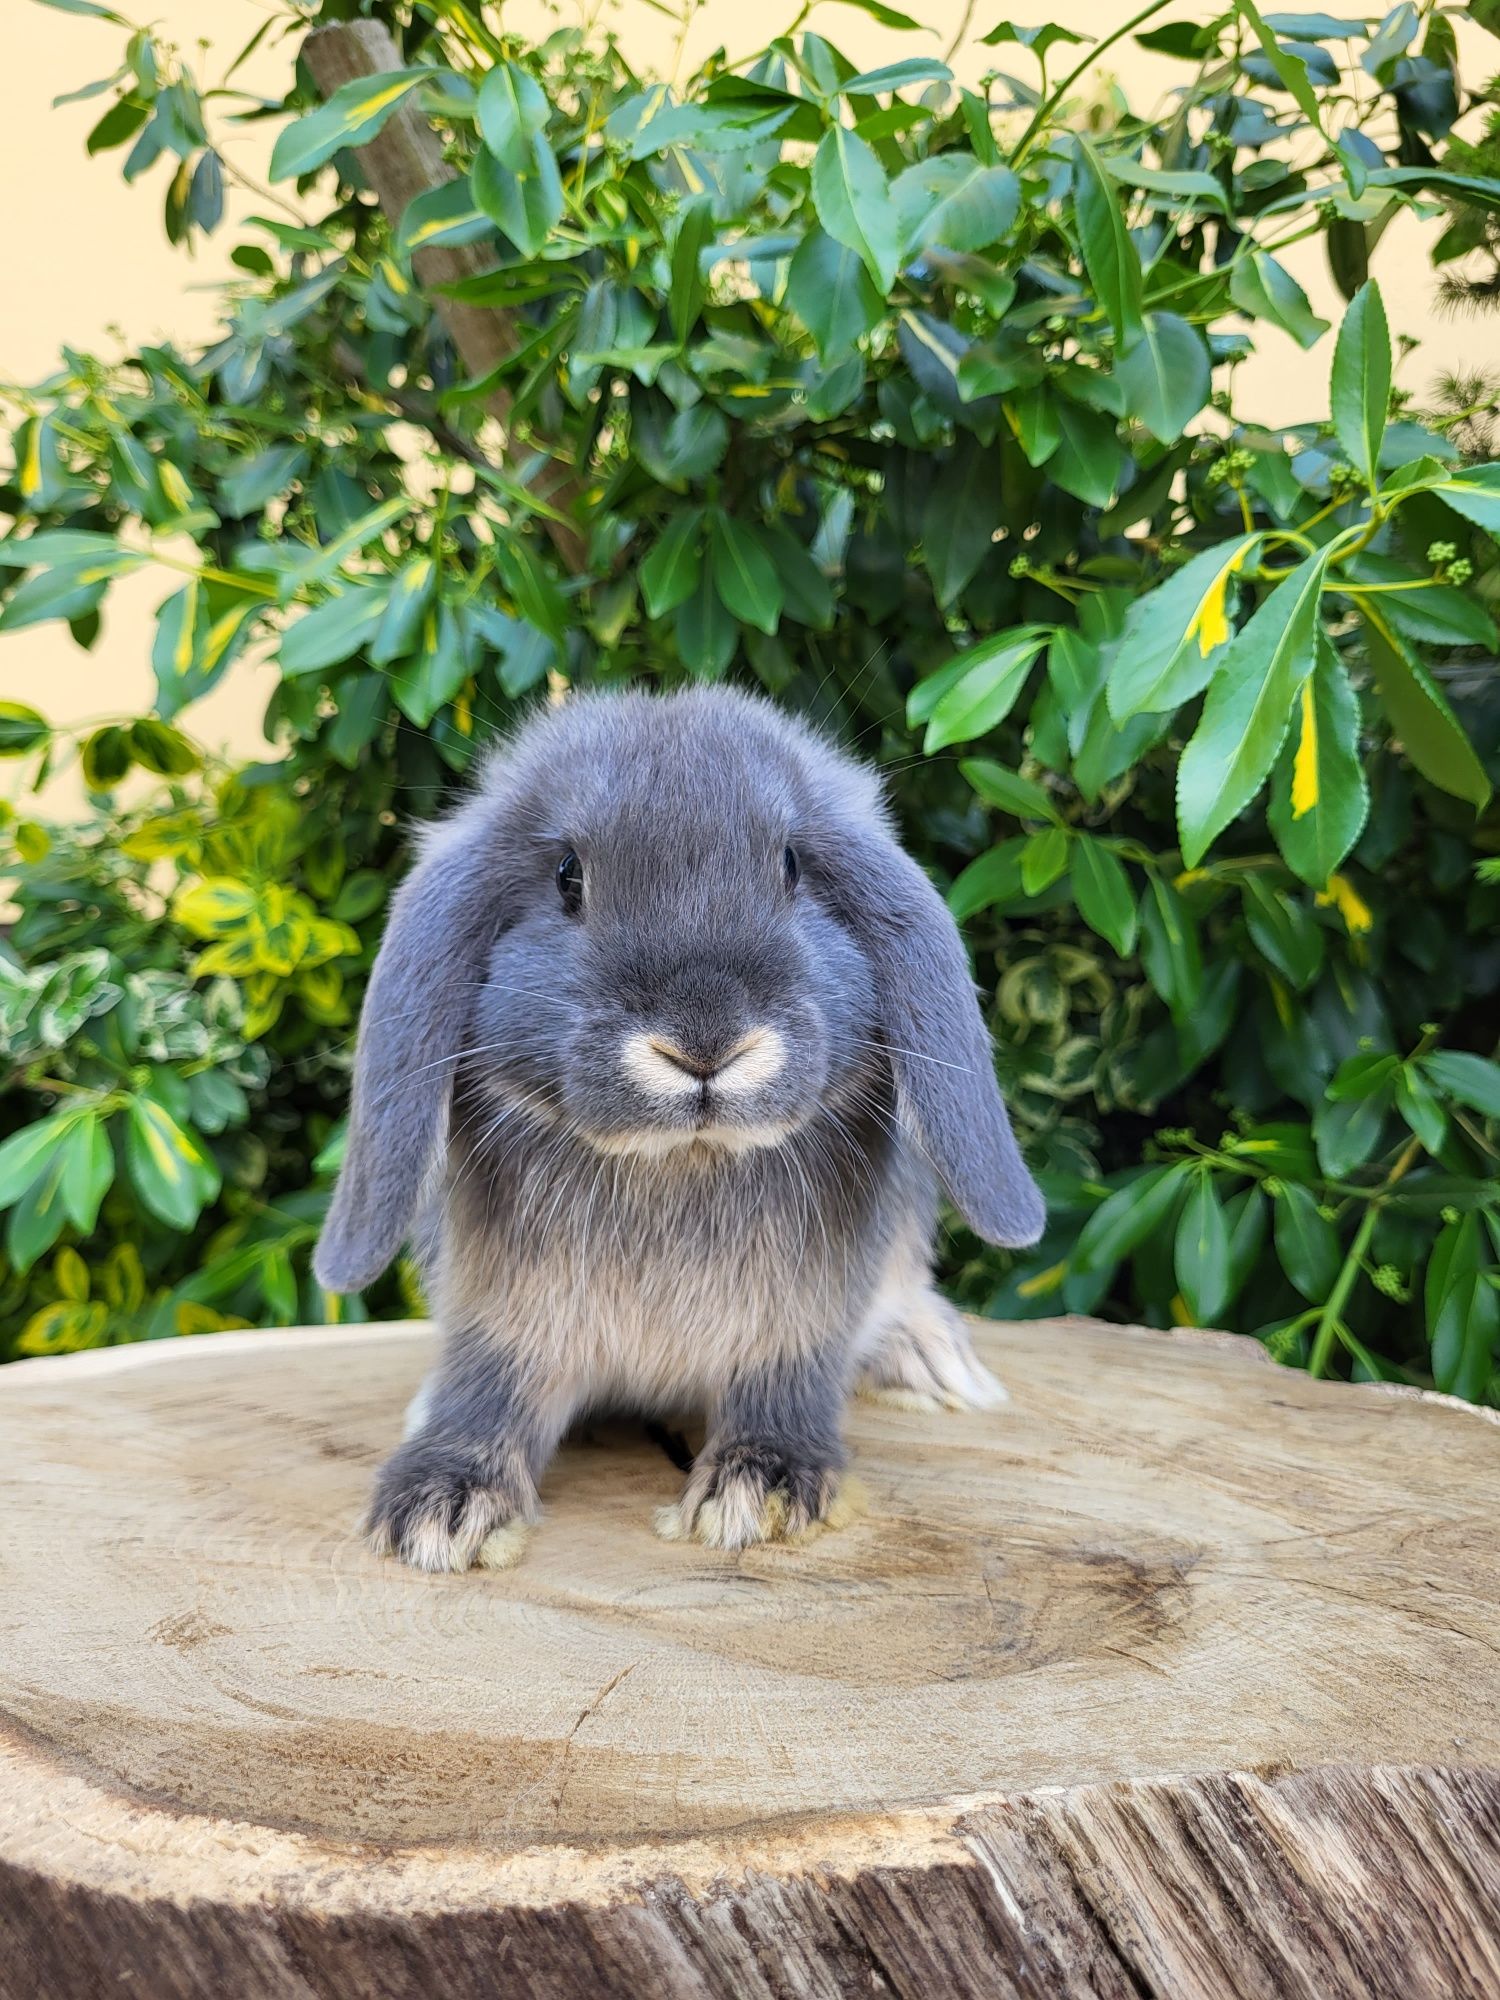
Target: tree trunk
(1177, 1677)
(403, 160)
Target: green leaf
(990, 878)
(1102, 891)
(169, 1169)
(536, 595)
(105, 757)
(512, 110)
(441, 217)
(831, 292)
(55, 547)
(122, 121)
(744, 574)
(1007, 789)
(1463, 1311)
(1165, 376)
(956, 201)
(1305, 1242)
(320, 563)
(1248, 708)
(25, 1154)
(1473, 492)
(332, 631)
(411, 594)
(1430, 733)
(1109, 255)
(255, 480)
(888, 17)
(70, 591)
(352, 116)
(199, 630)
(1247, 1235)
(1076, 667)
(88, 1167)
(688, 446)
(1170, 953)
(1087, 460)
(1175, 635)
(1435, 612)
(669, 574)
(854, 203)
(22, 729)
(1347, 1132)
(425, 679)
(1131, 1214)
(807, 593)
(38, 1218)
(1418, 1105)
(1361, 385)
(1473, 1080)
(1038, 40)
(1201, 1251)
(1289, 66)
(1043, 859)
(989, 685)
(527, 203)
(706, 633)
(1264, 289)
(695, 228)
(1361, 1075)
(897, 76)
(1177, 189)
(1391, 39)
(706, 128)
(1319, 797)
(962, 512)
(155, 746)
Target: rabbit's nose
(684, 1059)
(665, 1063)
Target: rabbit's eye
(791, 866)
(570, 882)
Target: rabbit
(664, 1055)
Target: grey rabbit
(664, 1053)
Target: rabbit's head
(660, 924)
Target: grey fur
(602, 1229)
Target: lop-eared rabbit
(666, 1050)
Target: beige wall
(87, 262)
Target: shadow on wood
(1179, 1676)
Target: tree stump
(1179, 1676)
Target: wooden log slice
(1178, 1676)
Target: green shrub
(915, 407)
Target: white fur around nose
(759, 1057)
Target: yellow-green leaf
(354, 114)
(215, 907)
(1319, 798)
(1168, 650)
(168, 1166)
(1248, 708)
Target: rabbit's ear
(417, 1011)
(939, 1045)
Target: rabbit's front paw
(750, 1491)
(437, 1508)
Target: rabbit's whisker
(917, 1055)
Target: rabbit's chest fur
(647, 1282)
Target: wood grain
(1177, 1676)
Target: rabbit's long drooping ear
(940, 1047)
(417, 1008)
